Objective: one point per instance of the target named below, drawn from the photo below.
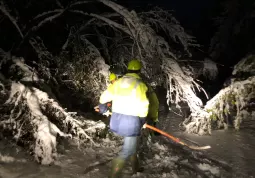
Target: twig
(12, 19)
(47, 13)
(198, 61)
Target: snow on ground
(232, 151)
(207, 167)
(159, 160)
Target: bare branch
(120, 9)
(67, 41)
(108, 21)
(51, 18)
(81, 2)
(59, 4)
(12, 19)
(35, 28)
(47, 13)
(48, 19)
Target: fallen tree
(35, 120)
(231, 106)
(161, 63)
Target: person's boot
(135, 164)
(117, 166)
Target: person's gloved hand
(103, 108)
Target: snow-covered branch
(47, 13)
(231, 106)
(29, 122)
(164, 20)
(108, 21)
(81, 2)
(40, 24)
(246, 65)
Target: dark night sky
(188, 12)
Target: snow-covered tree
(232, 105)
(233, 39)
(36, 76)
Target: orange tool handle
(164, 133)
(176, 139)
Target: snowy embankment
(33, 118)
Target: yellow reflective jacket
(154, 104)
(128, 96)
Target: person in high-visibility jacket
(130, 107)
(112, 77)
(152, 117)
